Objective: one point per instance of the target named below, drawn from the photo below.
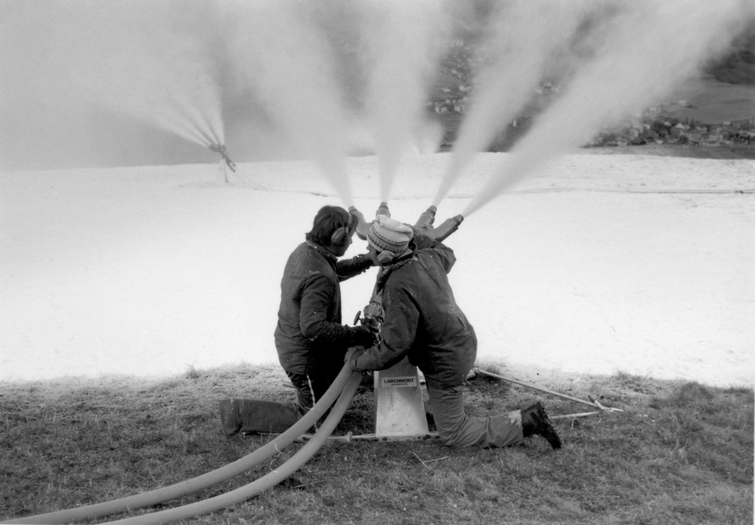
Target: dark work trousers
(457, 429)
(250, 415)
(311, 387)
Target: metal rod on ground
(581, 414)
(372, 437)
(597, 403)
(546, 390)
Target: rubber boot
(229, 416)
(535, 421)
(251, 416)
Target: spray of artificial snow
(159, 62)
(638, 53)
(131, 58)
(523, 38)
(290, 65)
(403, 42)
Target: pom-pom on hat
(390, 235)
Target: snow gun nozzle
(383, 210)
(426, 220)
(220, 148)
(445, 228)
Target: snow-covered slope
(596, 264)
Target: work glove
(362, 336)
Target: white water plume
(129, 57)
(522, 39)
(282, 55)
(403, 42)
(645, 49)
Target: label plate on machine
(398, 381)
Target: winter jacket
(421, 318)
(309, 326)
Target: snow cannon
(426, 220)
(445, 228)
(362, 225)
(220, 148)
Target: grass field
(678, 453)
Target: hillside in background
(715, 111)
(738, 65)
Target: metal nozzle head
(446, 228)
(427, 218)
(383, 209)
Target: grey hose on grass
(147, 499)
(268, 481)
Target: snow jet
(190, 66)
(631, 55)
(290, 67)
(523, 39)
(403, 42)
(140, 59)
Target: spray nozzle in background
(220, 148)
(362, 225)
(426, 220)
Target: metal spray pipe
(445, 228)
(426, 220)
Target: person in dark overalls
(421, 320)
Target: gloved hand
(362, 336)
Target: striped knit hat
(388, 234)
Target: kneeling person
(423, 321)
(309, 337)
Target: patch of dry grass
(679, 453)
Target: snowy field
(595, 264)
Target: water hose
(246, 492)
(219, 475)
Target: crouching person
(422, 321)
(310, 339)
